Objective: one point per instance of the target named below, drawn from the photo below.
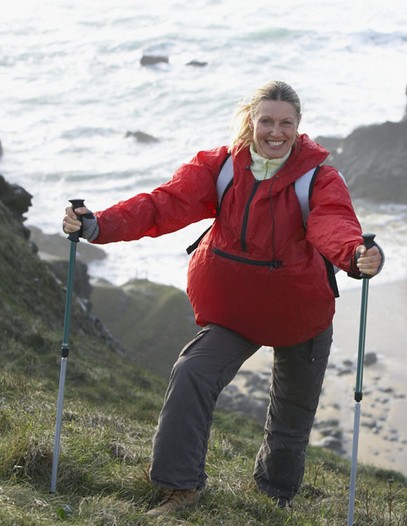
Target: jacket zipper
(246, 216)
(272, 264)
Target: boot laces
(175, 496)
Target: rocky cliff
(373, 160)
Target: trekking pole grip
(76, 203)
(368, 241)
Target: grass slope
(110, 413)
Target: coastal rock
(332, 443)
(54, 250)
(16, 198)
(370, 358)
(250, 398)
(233, 399)
(373, 160)
(197, 63)
(56, 246)
(151, 60)
(331, 435)
(141, 136)
(81, 286)
(32, 302)
(404, 118)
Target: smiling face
(275, 125)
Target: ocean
(72, 86)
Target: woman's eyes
(269, 122)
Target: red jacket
(257, 271)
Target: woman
(258, 277)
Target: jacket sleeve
(188, 197)
(332, 226)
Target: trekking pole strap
(78, 203)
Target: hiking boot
(175, 500)
(283, 503)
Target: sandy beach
(383, 426)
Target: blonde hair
(274, 90)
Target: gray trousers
(205, 366)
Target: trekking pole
(368, 242)
(74, 239)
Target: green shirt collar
(265, 168)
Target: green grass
(103, 465)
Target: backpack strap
(224, 179)
(303, 188)
(223, 183)
(195, 244)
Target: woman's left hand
(369, 260)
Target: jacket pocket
(272, 264)
(198, 336)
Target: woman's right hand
(70, 222)
(80, 220)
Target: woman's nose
(275, 130)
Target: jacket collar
(305, 155)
